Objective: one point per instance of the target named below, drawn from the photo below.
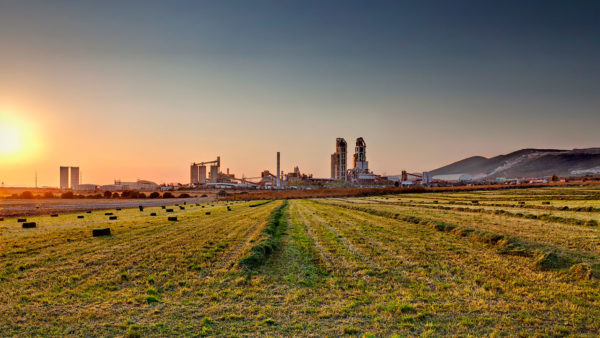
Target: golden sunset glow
(17, 140)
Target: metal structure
(64, 177)
(339, 160)
(198, 171)
(278, 172)
(360, 156)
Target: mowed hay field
(511, 262)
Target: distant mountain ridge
(528, 163)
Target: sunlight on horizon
(17, 139)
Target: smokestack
(278, 172)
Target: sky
(140, 89)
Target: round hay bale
(141, 207)
(54, 215)
(1, 219)
(108, 213)
(29, 225)
(181, 208)
(88, 212)
(112, 217)
(172, 218)
(153, 214)
(208, 212)
(169, 210)
(80, 216)
(118, 209)
(101, 232)
(162, 206)
(21, 220)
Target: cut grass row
(545, 259)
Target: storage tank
(194, 174)
(202, 174)
(214, 173)
(64, 177)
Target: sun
(11, 139)
(16, 138)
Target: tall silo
(214, 173)
(194, 174)
(64, 177)
(202, 174)
(74, 177)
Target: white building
(139, 185)
(453, 178)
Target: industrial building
(74, 177)
(198, 172)
(64, 177)
(360, 172)
(339, 160)
(453, 178)
(139, 185)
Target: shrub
(168, 195)
(67, 194)
(107, 194)
(184, 195)
(115, 195)
(154, 195)
(141, 195)
(27, 195)
(48, 195)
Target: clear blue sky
(138, 89)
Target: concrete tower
(339, 162)
(74, 177)
(64, 177)
(194, 174)
(278, 172)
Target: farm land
(501, 262)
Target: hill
(528, 163)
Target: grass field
(506, 262)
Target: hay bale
(88, 212)
(202, 207)
(108, 214)
(80, 216)
(29, 225)
(118, 209)
(172, 218)
(208, 213)
(181, 208)
(101, 232)
(162, 206)
(184, 203)
(21, 220)
(547, 261)
(169, 210)
(1, 219)
(153, 214)
(581, 271)
(54, 215)
(112, 217)
(141, 207)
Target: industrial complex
(208, 175)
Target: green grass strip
(259, 253)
